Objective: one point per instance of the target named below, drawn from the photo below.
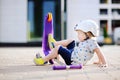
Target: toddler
(86, 32)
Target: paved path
(17, 64)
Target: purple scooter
(63, 67)
(48, 29)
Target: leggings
(66, 52)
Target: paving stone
(16, 63)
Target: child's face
(81, 35)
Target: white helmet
(88, 25)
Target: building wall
(13, 21)
(105, 12)
(78, 10)
(111, 12)
(13, 17)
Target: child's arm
(102, 60)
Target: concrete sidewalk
(17, 64)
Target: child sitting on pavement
(81, 54)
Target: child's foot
(38, 60)
(51, 41)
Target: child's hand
(97, 62)
(100, 64)
(103, 65)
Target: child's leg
(53, 54)
(64, 43)
(70, 44)
(52, 42)
(64, 52)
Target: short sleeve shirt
(84, 51)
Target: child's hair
(89, 35)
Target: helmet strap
(87, 37)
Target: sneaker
(51, 41)
(38, 55)
(38, 60)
